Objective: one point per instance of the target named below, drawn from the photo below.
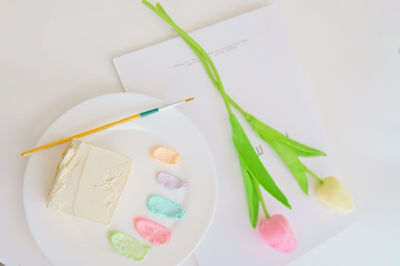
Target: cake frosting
(128, 246)
(170, 181)
(166, 156)
(164, 207)
(155, 233)
(89, 182)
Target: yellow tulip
(333, 194)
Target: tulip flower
(276, 231)
(332, 193)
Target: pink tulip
(277, 233)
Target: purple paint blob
(170, 181)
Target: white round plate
(68, 240)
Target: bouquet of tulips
(275, 229)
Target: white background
(55, 54)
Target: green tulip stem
(199, 51)
(264, 207)
(314, 175)
(236, 106)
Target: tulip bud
(277, 233)
(333, 194)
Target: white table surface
(55, 54)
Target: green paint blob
(166, 208)
(127, 246)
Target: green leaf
(252, 198)
(252, 162)
(268, 133)
(291, 159)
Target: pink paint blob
(155, 233)
(170, 181)
(277, 233)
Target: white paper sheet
(258, 69)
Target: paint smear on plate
(170, 181)
(155, 233)
(128, 246)
(166, 208)
(166, 156)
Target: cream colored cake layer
(89, 182)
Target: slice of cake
(89, 182)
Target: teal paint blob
(167, 208)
